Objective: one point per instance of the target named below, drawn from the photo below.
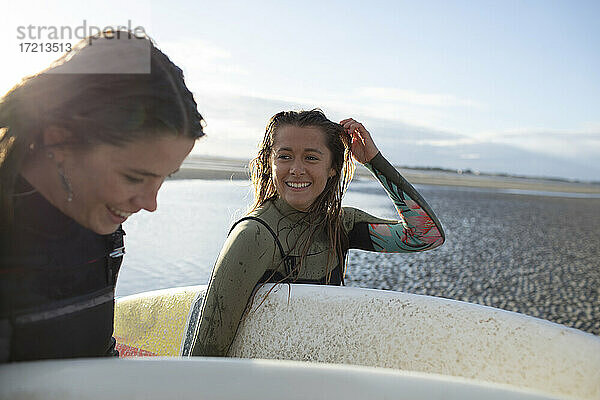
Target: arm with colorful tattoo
(418, 228)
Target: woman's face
(110, 183)
(301, 165)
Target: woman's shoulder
(264, 208)
(348, 217)
(266, 213)
(250, 238)
(253, 229)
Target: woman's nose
(147, 199)
(297, 168)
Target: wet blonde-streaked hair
(327, 206)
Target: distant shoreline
(211, 168)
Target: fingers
(352, 127)
(351, 124)
(361, 140)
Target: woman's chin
(104, 227)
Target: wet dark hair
(112, 88)
(327, 206)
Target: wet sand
(537, 255)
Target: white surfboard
(377, 328)
(229, 379)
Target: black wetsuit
(57, 282)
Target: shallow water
(177, 245)
(528, 253)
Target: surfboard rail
(228, 378)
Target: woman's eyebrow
(308, 149)
(313, 150)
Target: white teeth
(120, 213)
(298, 185)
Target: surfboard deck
(378, 329)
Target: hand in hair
(363, 147)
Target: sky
(492, 86)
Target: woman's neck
(41, 173)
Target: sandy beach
(201, 167)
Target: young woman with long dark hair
(297, 230)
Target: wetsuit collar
(295, 216)
(36, 214)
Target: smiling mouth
(298, 185)
(122, 214)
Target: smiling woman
(297, 230)
(301, 165)
(83, 145)
(125, 180)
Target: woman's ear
(332, 172)
(54, 138)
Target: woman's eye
(283, 157)
(133, 179)
(312, 158)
